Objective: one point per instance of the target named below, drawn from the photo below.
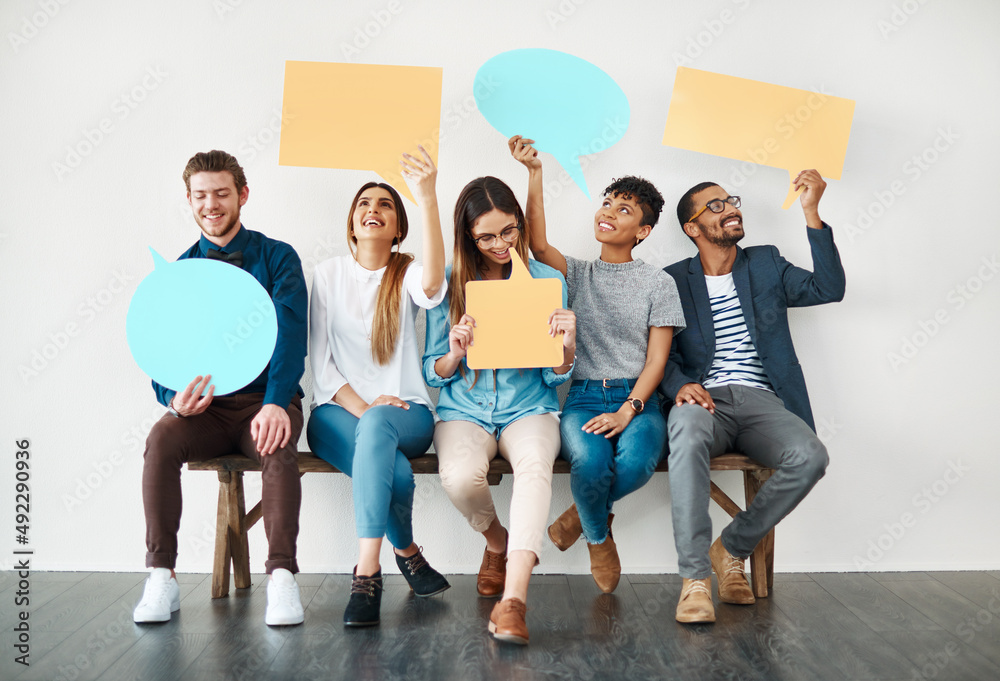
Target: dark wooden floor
(891, 627)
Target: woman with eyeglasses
(505, 411)
(371, 412)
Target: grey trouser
(756, 423)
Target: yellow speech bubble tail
(518, 270)
(793, 193)
(397, 182)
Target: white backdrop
(134, 89)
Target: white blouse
(341, 313)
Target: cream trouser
(530, 444)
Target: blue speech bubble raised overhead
(566, 104)
(197, 316)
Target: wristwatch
(173, 412)
(636, 403)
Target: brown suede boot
(604, 563)
(566, 529)
(733, 585)
(695, 604)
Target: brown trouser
(223, 428)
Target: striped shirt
(736, 359)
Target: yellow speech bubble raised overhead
(512, 321)
(749, 120)
(359, 116)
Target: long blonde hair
(385, 324)
(477, 198)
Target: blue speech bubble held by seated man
(567, 105)
(199, 316)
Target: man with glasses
(735, 383)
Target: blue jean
(374, 450)
(603, 470)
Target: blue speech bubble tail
(157, 258)
(572, 166)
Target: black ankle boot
(422, 578)
(366, 600)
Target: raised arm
(827, 282)
(521, 149)
(422, 175)
(813, 185)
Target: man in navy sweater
(735, 383)
(262, 420)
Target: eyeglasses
(718, 205)
(489, 240)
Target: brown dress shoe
(695, 604)
(566, 529)
(604, 563)
(492, 573)
(733, 585)
(507, 621)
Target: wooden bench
(233, 520)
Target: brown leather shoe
(695, 604)
(492, 574)
(604, 563)
(566, 529)
(507, 621)
(733, 585)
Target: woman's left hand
(609, 425)
(421, 174)
(563, 322)
(388, 400)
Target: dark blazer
(767, 285)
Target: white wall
(893, 432)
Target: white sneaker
(161, 597)
(283, 603)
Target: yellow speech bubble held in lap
(512, 321)
(748, 120)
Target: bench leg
(220, 564)
(762, 558)
(230, 536)
(239, 545)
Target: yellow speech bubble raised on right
(749, 120)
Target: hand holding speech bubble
(512, 321)
(568, 105)
(199, 316)
(359, 116)
(752, 121)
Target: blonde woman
(371, 412)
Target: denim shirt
(500, 396)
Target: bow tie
(234, 258)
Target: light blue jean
(374, 450)
(603, 470)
